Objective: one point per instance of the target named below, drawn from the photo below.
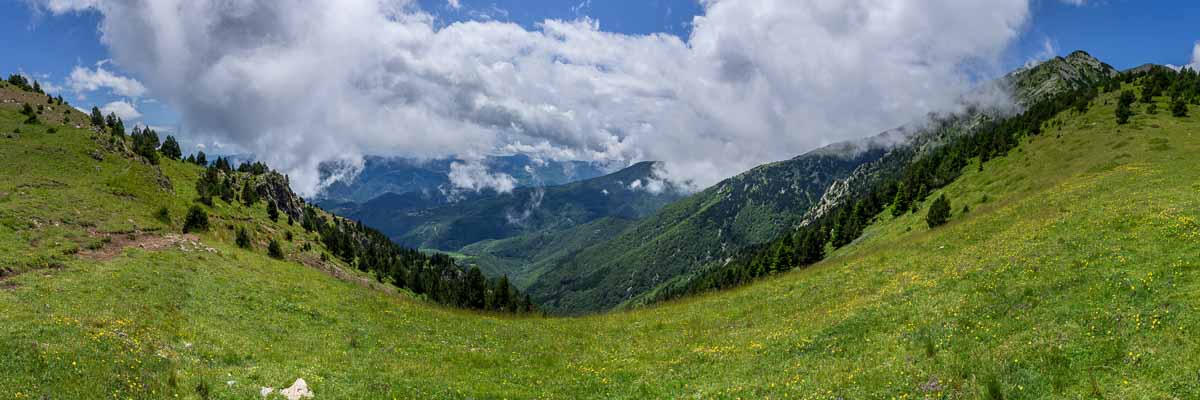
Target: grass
(1077, 278)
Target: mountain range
(574, 257)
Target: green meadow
(1068, 270)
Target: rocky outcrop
(1058, 75)
(274, 187)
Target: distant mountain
(431, 178)
(1079, 69)
(758, 205)
(631, 193)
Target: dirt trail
(118, 243)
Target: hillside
(1073, 275)
(759, 205)
(751, 207)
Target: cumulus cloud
(473, 175)
(84, 80)
(757, 81)
(122, 109)
(1195, 65)
(453, 4)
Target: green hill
(1073, 275)
(759, 205)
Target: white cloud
(757, 81)
(1193, 64)
(122, 109)
(84, 80)
(473, 175)
(1075, 2)
(1049, 50)
(453, 4)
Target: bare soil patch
(333, 270)
(117, 243)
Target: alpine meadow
(510, 200)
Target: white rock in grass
(298, 390)
(266, 391)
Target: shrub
(196, 221)
(243, 238)
(163, 214)
(275, 250)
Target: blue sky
(1125, 33)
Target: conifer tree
(196, 221)
(1123, 107)
(502, 298)
(243, 238)
(249, 196)
(939, 212)
(476, 289)
(272, 211)
(1179, 108)
(275, 250)
(97, 117)
(170, 148)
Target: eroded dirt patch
(333, 270)
(114, 244)
(6, 274)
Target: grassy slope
(1077, 277)
(526, 257)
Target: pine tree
(170, 148)
(501, 296)
(201, 159)
(97, 117)
(939, 212)
(196, 221)
(243, 238)
(249, 196)
(1123, 107)
(476, 296)
(275, 250)
(901, 202)
(272, 211)
(1179, 108)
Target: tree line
(1181, 87)
(438, 277)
